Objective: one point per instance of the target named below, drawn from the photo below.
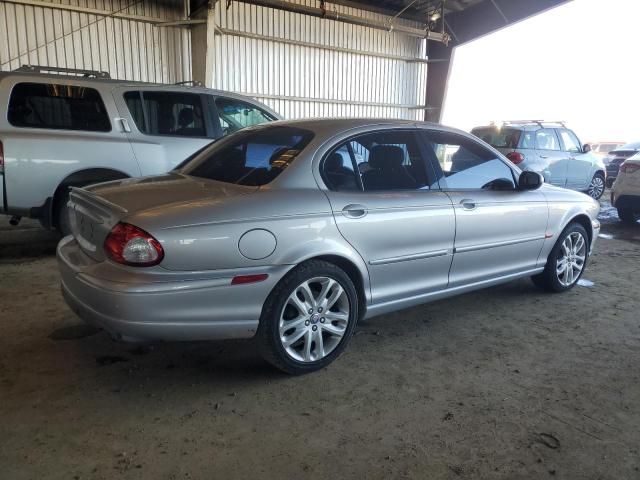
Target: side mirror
(586, 148)
(529, 180)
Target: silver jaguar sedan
(293, 231)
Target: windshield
(498, 137)
(250, 157)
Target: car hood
(138, 194)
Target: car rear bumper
(180, 309)
(631, 202)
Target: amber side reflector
(242, 279)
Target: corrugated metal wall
(127, 46)
(305, 81)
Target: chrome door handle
(354, 210)
(124, 125)
(544, 156)
(468, 204)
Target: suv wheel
(596, 187)
(308, 318)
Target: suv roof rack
(194, 83)
(70, 71)
(538, 122)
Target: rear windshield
(499, 137)
(253, 158)
(630, 146)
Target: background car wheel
(61, 215)
(627, 215)
(308, 318)
(596, 187)
(566, 262)
(610, 182)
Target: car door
(552, 160)
(387, 205)
(579, 165)
(164, 126)
(500, 230)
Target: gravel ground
(504, 383)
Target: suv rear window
(252, 158)
(60, 107)
(499, 137)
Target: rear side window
(59, 107)
(252, 158)
(546, 139)
(236, 114)
(167, 113)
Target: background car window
(465, 164)
(387, 160)
(546, 139)
(338, 172)
(66, 107)
(235, 114)
(570, 141)
(499, 137)
(167, 113)
(250, 158)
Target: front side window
(251, 158)
(235, 115)
(380, 161)
(465, 164)
(60, 107)
(546, 139)
(167, 113)
(570, 141)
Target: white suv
(625, 195)
(550, 149)
(63, 130)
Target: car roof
(113, 83)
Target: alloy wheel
(571, 259)
(596, 187)
(314, 319)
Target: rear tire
(627, 215)
(62, 221)
(571, 252)
(308, 319)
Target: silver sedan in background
(291, 232)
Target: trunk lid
(95, 210)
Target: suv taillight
(129, 245)
(515, 157)
(629, 167)
(1, 158)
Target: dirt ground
(505, 383)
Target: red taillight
(629, 167)
(130, 245)
(515, 157)
(242, 279)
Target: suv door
(386, 203)
(579, 165)
(552, 160)
(164, 125)
(500, 230)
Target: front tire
(597, 186)
(566, 262)
(309, 318)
